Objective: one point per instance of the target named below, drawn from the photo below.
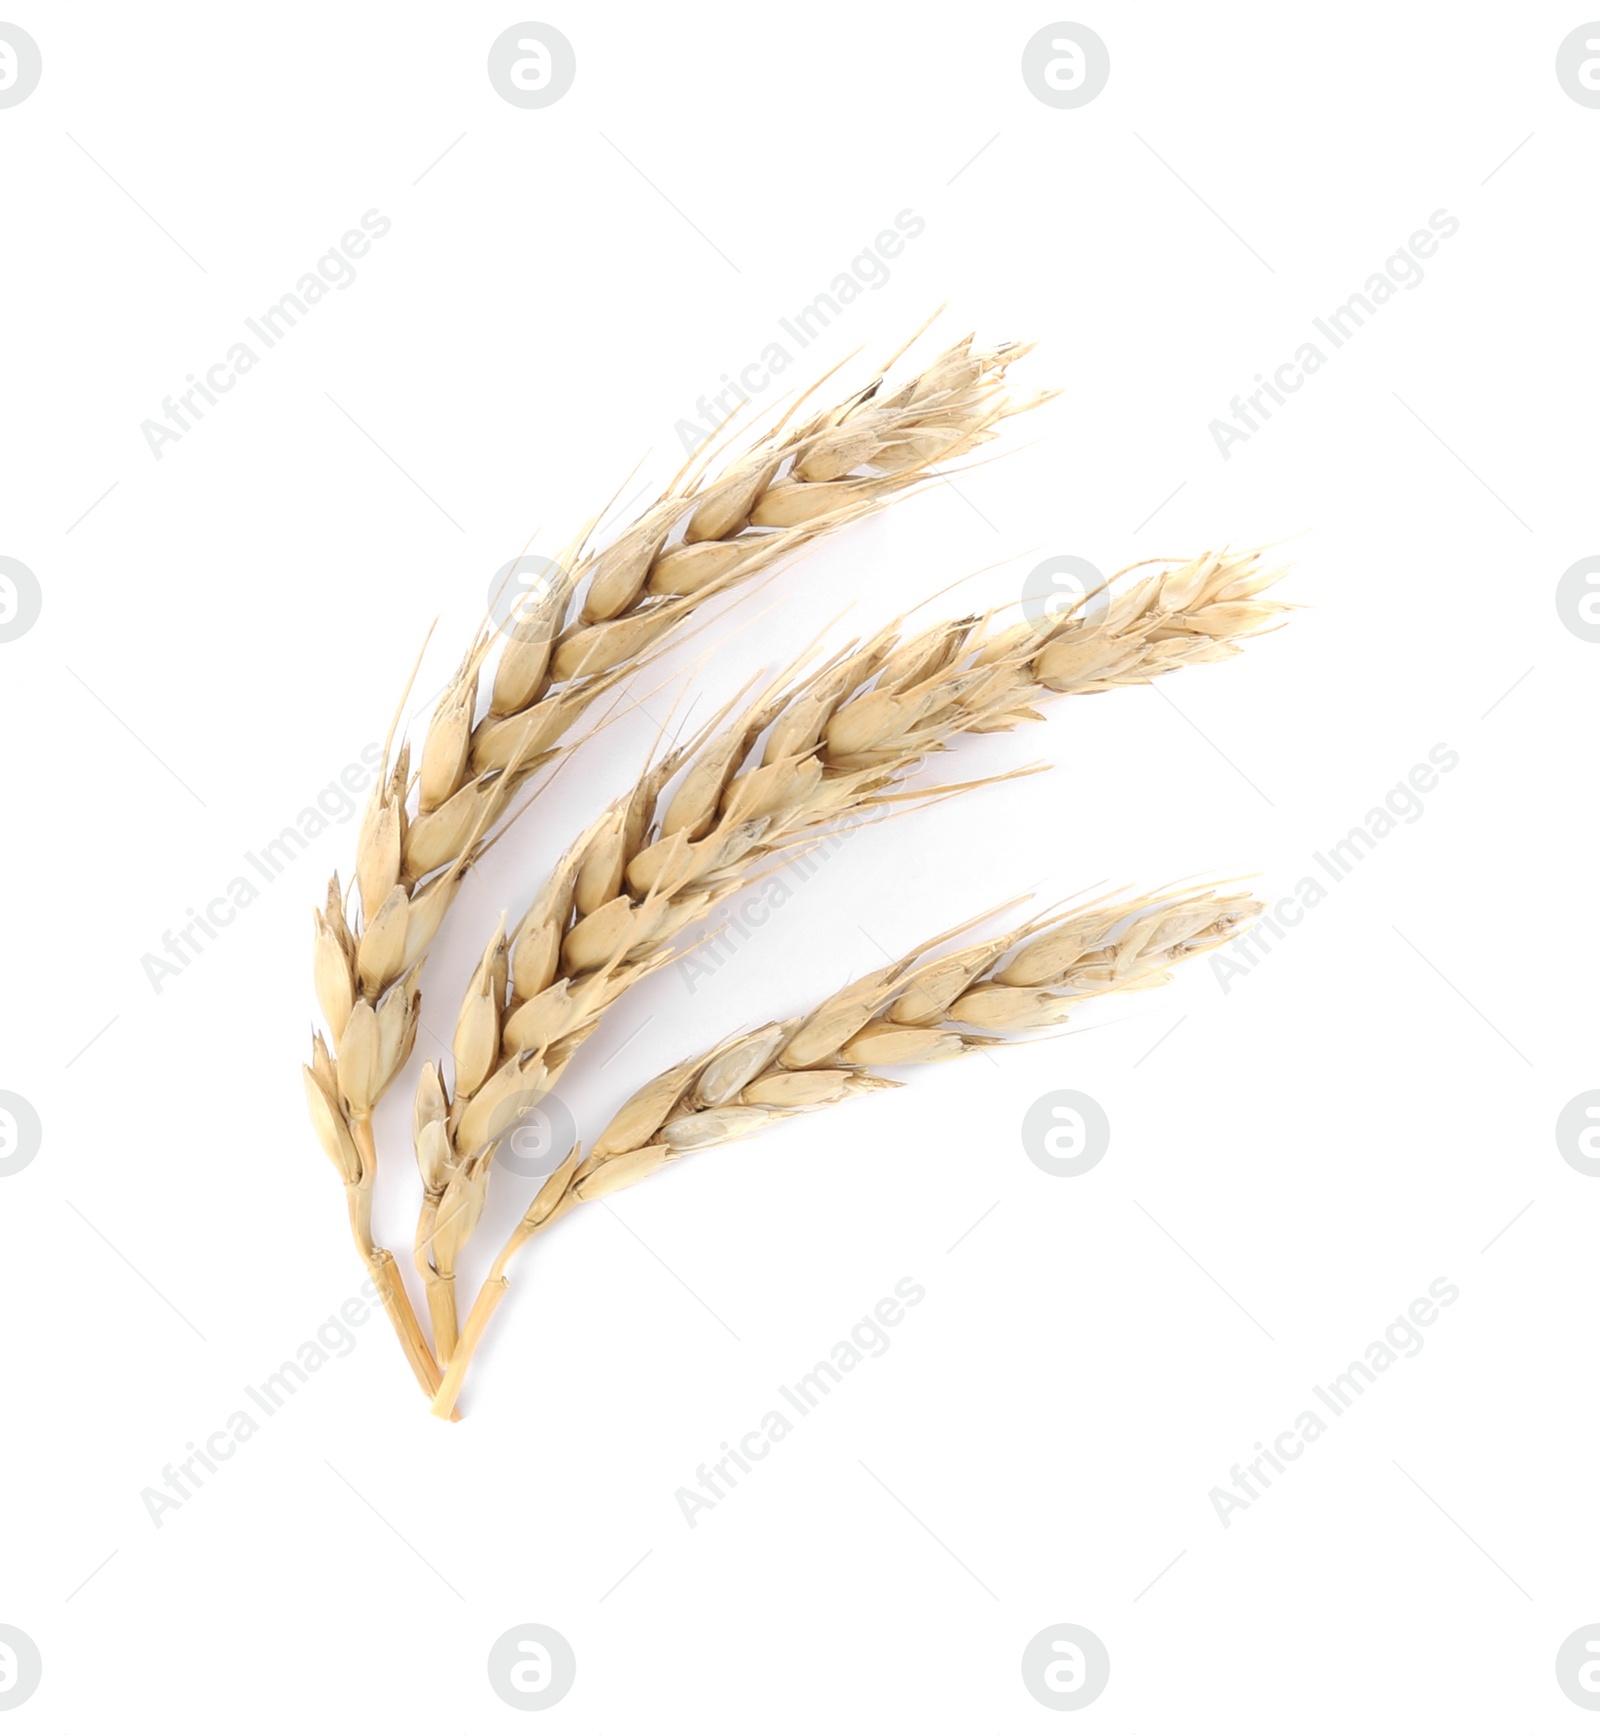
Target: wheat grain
(916, 1011)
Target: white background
(1365, 1111)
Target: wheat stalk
(800, 757)
(697, 540)
(914, 1011)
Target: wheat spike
(916, 1011)
(912, 1013)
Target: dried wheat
(915, 1011)
(698, 540)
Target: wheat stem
(553, 1200)
(440, 1290)
(489, 1297)
(381, 1266)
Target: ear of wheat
(800, 757)
(918, 1010)
(588, 628)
